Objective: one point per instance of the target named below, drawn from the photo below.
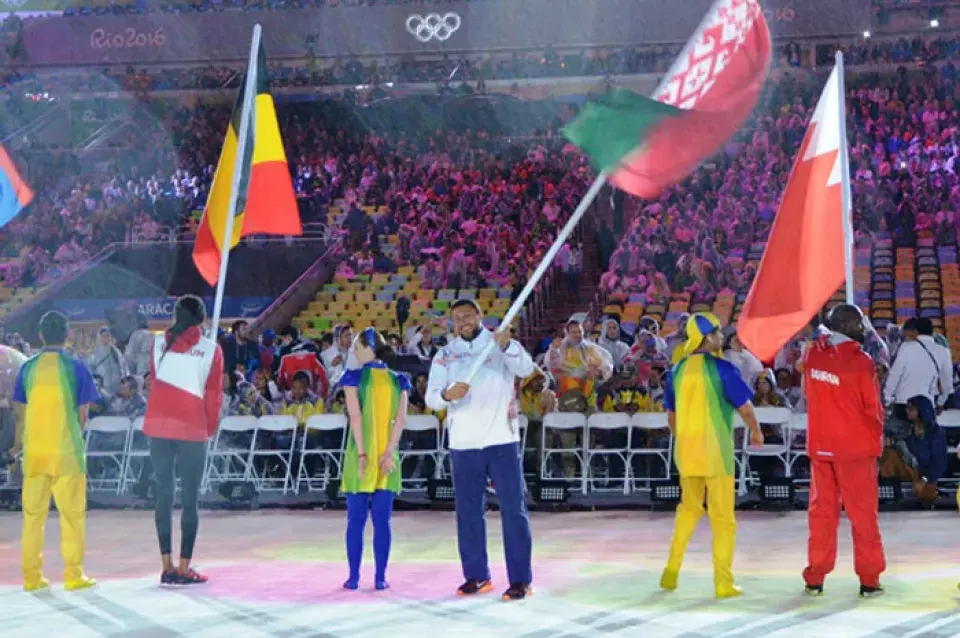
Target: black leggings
(189, 458)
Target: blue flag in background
(14, 192)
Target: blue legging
(379, 505)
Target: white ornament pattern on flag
(695, 72)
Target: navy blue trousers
(501, 463)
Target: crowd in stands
(699, 236)
(353, 71)
(134, 7)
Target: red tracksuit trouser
(855, 484)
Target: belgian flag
(266, 203)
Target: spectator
(745, 361)
(250, 402)
(338, 358)
(915, 372)
(128, 400)
(611, 342)
(238, 349)
(296, 355)
(301, 402)
(536, 397)
(578, 365)
(139, 349)
(107, 362)
(267, 389)
(941, 355)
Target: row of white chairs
(240, 451)
(633, 434)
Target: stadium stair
(562, 305)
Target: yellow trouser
(70, 495)
(720, 494)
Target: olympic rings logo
(433, 27)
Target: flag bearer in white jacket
(484, 442)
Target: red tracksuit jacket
(302, 361)
(844, 411)
(187, 388)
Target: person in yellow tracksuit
(702, 392)
(56, 391)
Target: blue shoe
(352, 584)
(382, 585)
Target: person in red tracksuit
(299, 356)
(844, 440)
(182, 415)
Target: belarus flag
(645, 145)
(805, 258)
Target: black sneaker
(473, 587)
(169, 579)
(518, 591)
(813, 590)
(191, 578)
(871, 592)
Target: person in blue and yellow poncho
(376, 400)
(702, 392)
(55, 391)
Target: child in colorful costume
(376, 400)
(56, 390)
(702, 392)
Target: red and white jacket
(187, 389)
(302, 358)
(844, 411)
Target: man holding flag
(844, 440)
(808, 256)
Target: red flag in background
(803, 263)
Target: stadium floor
(278, 573)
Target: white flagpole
(249, 95)
(537, 275)
(845, 183)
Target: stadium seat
(269, 430)
(107, 442)
(318, 428)
(651, 439)
(420, 442)
(552, 446)
(229, 456)
(599, 456)
(779, 418)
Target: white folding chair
(778, 417)
(523, 424)
(228, 457)
(107, 442)
(427, 427)
(555, 423)
(323, 426)
(650, 425)
(797, 447)
(268, 427)
(950, 419)
(611, 424)
(138, 451)
(739, 454)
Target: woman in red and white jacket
(182, 415)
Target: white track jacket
(487, 416)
